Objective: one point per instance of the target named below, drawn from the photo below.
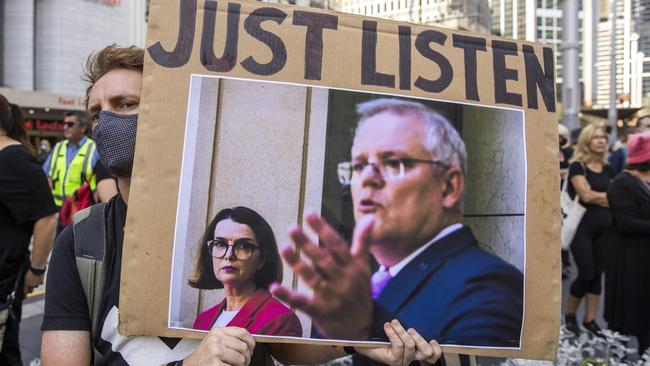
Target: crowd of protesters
(611, 244)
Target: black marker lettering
(470, 45)
(501, 49)
(369, 74)
(208, 58)
(315, 23)
(183, 49)
(253, 26)
(535, 77)
(422, 43)
(404, 57)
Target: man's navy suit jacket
(457, 293)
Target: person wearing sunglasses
(72, 161)
(239, 253)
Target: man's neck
(397, 267)
(391, 252)
(124, 185)
(75, 141)
(237, 297)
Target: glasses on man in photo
(242, 248)
(69, 124)
(389, 168)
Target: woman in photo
(238, 253)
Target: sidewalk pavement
(30, 332)
(30, 327)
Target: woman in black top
(26, 208)
(589, 176)
(627, 288)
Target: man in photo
(407, 178)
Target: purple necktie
(378, 281)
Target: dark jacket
(457, 293)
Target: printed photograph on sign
(322, 213)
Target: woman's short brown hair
(111, 58)
(203, 275)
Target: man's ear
(453, 186)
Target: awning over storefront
(43, 111)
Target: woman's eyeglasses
(242, 248)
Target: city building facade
(44, 44)
(541, 21)
(470, 15)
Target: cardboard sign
(256, 105)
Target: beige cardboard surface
(150, 228)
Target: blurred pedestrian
(26, 209)
(44, 148)
(72, 161)
(618, 154)
(589, 177)
(565, 153)
(627, 289)
(643, 120)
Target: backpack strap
(90, 249)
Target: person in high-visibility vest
(72, 161)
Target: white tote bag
(572, 213)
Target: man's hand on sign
(230, 345)
(405, 346)
(341, 306)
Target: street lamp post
(570, 47)
(612, 114)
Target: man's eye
(127, 105)
(358, 166)
(392, 163)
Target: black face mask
(563, 141)
(115, 140)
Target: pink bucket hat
(638, 148)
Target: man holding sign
(71, 332)
(407, 179)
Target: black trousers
(10, 353)
(587, 248)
